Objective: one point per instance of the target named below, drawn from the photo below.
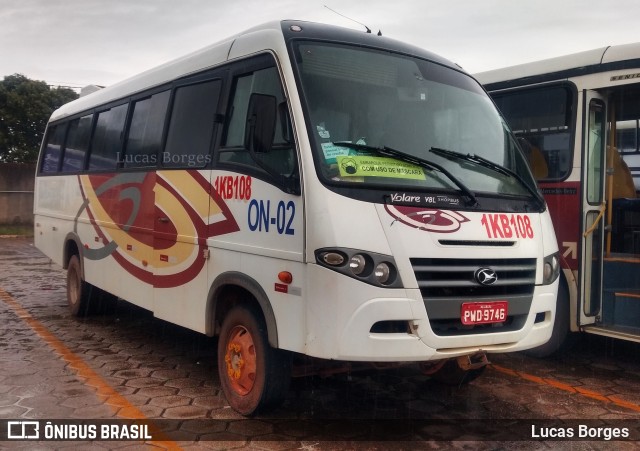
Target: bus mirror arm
(261, 123)
(285, 122)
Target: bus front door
(593, 207)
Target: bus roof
(271, 35)
(583, 63)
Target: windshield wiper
(451, 154)
(399, 155)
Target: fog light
(357, 264)
(382, 273)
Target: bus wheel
(453, 375)
(78, 291)
(253, 375)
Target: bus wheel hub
(241, 360)
(234, 360)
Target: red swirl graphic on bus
(154, 224)
(428, 219)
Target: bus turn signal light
(285, 277)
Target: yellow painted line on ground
(118, 403)
(568, 388)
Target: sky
(81, 42)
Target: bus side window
(51, 155)
(627, 143)
(106, 145)
(77, 144)
(543, 116)
(191, 126)
(145, 132)
(279, 162)
(595, 152)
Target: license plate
(483, 312)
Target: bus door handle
(590, 230)
(163, 219)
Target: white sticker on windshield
(331, 152)
(323, 132)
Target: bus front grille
(446, 284)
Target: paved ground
(124, 364)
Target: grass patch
(20, 230)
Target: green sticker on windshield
(365, 166)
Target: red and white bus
(303, 189)
(578, 118)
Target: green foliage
(16, 230)
(25, 107)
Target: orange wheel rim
(240, 358)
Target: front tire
(254, 376)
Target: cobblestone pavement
(124, 364)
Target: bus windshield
(359, 100)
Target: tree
(25, 107)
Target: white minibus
(303, 189)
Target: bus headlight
(368, 267)
(382, 273)
(550, 269)
(358, 264)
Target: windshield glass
(376, 99)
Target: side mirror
(261, 123)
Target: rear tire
(78, 291)
(254, 376)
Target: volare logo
(428, 219)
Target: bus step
(626, 308)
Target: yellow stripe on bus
(191, 191)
